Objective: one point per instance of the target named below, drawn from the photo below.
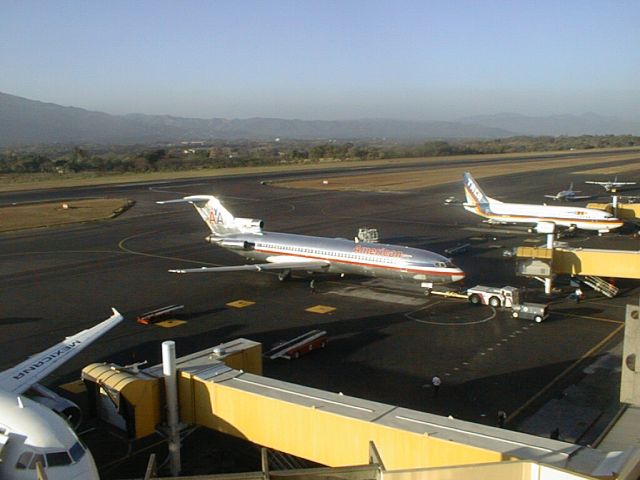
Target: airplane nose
(457, 276)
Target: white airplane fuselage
(345, 256)
(33, 433)
(582, 218)
(501, 212)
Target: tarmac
(386, 340)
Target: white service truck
(493, 296)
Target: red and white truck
(494, 296)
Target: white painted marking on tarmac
(450, 324)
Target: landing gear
(284, 275)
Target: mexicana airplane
(33, 436)
(611, 185)
(498, 212)
(284, 253)
(569, 195)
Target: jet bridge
(337, 430)
(541, 261)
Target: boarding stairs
(601, 285)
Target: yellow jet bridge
(329, 428)
(585, 261)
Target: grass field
(53, 214)
(38, 215)
(17, 182)
(419, 178)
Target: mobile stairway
(600, 285)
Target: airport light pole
(171, 388)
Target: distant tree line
(69, 160)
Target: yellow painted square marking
(170, 323)
(320, 309)
(76, 386)
(240, 303)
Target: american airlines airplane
(284, 253)
(30, 432)
(498, 212)
(611, 185)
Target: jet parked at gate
(31, 434)
(284, 253)
(496, 211)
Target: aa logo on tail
(214, 216)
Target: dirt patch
(426, 177)
(19, 217)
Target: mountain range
(29, 122)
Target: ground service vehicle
(531, 311)
(494, 296)
(298, 346)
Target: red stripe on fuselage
(361, 264)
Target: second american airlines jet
(284, 253)
(498, 212)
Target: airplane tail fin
(474, 194)
(219, 220)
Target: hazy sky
(413, 59)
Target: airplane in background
(32, 436)
(284, 253)
(611, 185)
(499, 212)
(568, 195)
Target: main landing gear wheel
(283, 276)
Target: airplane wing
(573, 198)
(21, 377)
(308, 265)
(555, 197)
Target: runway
(386, 341)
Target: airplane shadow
(12, 320)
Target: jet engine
(62, 406)
(236, 244)
(249, 224)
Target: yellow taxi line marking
(608, 320)
(608, 305)
(565, 372)
(143, 254)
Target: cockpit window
(37, 458)
(76, 452)
(23, 460)
(56, 459)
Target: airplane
(498, 212)
(284, 253)
(569, 195)
(611, 186)
(34, 431)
